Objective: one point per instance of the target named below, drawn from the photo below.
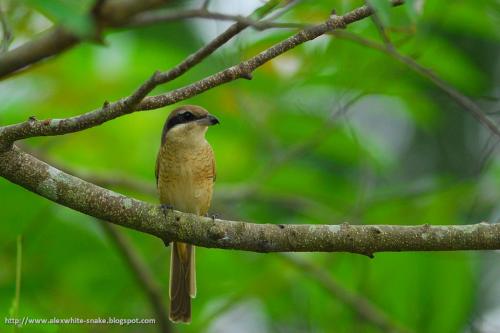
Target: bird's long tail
(182, 281)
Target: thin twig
(7, 35)
(157, 16)
(382, 30)
(14, 310)
(485, 154)
(363, 307)
(142, 274)
(289, 4)
(286, 154)
(454, 94)
(205, 4)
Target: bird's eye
(188, 115)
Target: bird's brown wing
(213, 169)
(157, 167)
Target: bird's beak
(209, 120)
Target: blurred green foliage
(74, 15)
(403, 153)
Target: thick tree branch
(137, 102)
(48, 43)
(111, 13)
(53, 184)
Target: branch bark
(53, 184)
(111, 13)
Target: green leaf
(411, 10)
(265, 9)
(72, 14)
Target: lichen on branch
(58, 186)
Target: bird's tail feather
(182, 282)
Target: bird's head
(187, 124)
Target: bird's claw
(166, 242)
(165, 208)
(213, 216)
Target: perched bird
(185, 174)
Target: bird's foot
(213, 216)
(166, 242)
(165, 208)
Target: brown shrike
(185, 174)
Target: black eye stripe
(180, 118)
(187, 116)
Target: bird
(185, 176)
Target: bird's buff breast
(185, 177)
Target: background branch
(462, 100)
(111, 13)
(141, 273)
(6, 32)
(363, 307)
(161, 16)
